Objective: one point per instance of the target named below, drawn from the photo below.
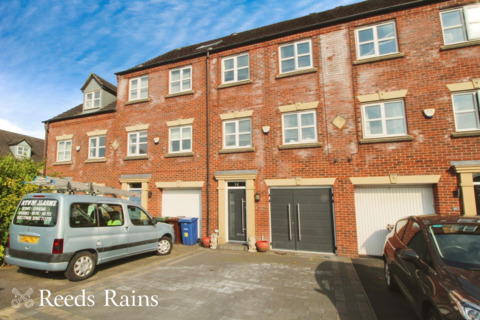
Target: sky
(49, 48)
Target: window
(296, 56)
(461, 24)
(137, 143)
(23, 151)
(400, 228)
(181, 139)
(237, 134)
(181, 80)
(136, 187)
(377, 40)
(236, 68)
(97, 148)
(83, 215)
(111, 215)
(139, 217)
(299, 127)
(384, 119)
(415, 240)
(138, 88)
(92, 100)
(465, 107)
(64, 150)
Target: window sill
(137, 101)
(235, 84)
(180, 154)
(95, 160)
(62, 163)
(238, 150)
(183, 93)
(462, 134)
(300, 146)
(142, 157)
(296, 73)
(380, 58)
(386, 139)
(460, 45)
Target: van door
(143, 235)
(113, 230)
(82, 231)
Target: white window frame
(375, 40)
(26, 151)
(181, 79)
(64, 142)
(137, 144)
(92, 101)
(235, 67)
(139, 88)
(476, 101)
(181, 150)
(295, 55)
(299, 128)
(97, 148)
(237, 133)
(465, 24)
(383, 119)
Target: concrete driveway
(196, 283)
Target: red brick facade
(424, 71)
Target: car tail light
(39, 196)
(8, 241)
(57, 246)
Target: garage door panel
(183, 202)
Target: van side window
(138, 216)
(83, 215)
(111, 215)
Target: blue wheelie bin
(189, 231)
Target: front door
(237, 224)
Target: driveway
(197, 283)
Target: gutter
(208, 142)
(47, 126)
(289, 32)
(80, 116)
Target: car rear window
(37, 213)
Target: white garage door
(377, 207)
(183, 202)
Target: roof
(314, 20)
(77, 112)
(104, 84)
(8, 139)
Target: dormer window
(92, 100)
(23, 151)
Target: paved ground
(197, 283)
(387, 304)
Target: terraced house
(313, 133)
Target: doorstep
(233, 247)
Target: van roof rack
(70, 186)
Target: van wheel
(164, 246)
(389, 281)
(81, 266)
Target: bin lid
(188, 219)
(172, 219)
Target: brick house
(321, 129)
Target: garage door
(302, 219)
(377, 207)
(184, 202)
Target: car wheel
(432, 314)
(164, 246)
(391, 285)
(81, 266)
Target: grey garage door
(302, 219)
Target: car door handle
(126, 228)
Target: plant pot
(206, 242)
(262, 246)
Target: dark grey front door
(237, 215)
(302, 219)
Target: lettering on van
(37, 212)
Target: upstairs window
(96, 147)
(236, 68)
(460, 25)
(137, 143)
(465, 108)
(377, 40)
(237, 134)
(181, 139)
(300, 127)
(181, 79)
(384, 119)
(296, 56)
(92, 100)
(64, 150)
(138, 88)
(23, 151)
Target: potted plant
(206, 242)
(262, 246)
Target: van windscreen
(37, 213)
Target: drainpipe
(208, 143)
(47, 125)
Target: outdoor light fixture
(156, 140)
(257, 197)
(266, 129)
(77, 148)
